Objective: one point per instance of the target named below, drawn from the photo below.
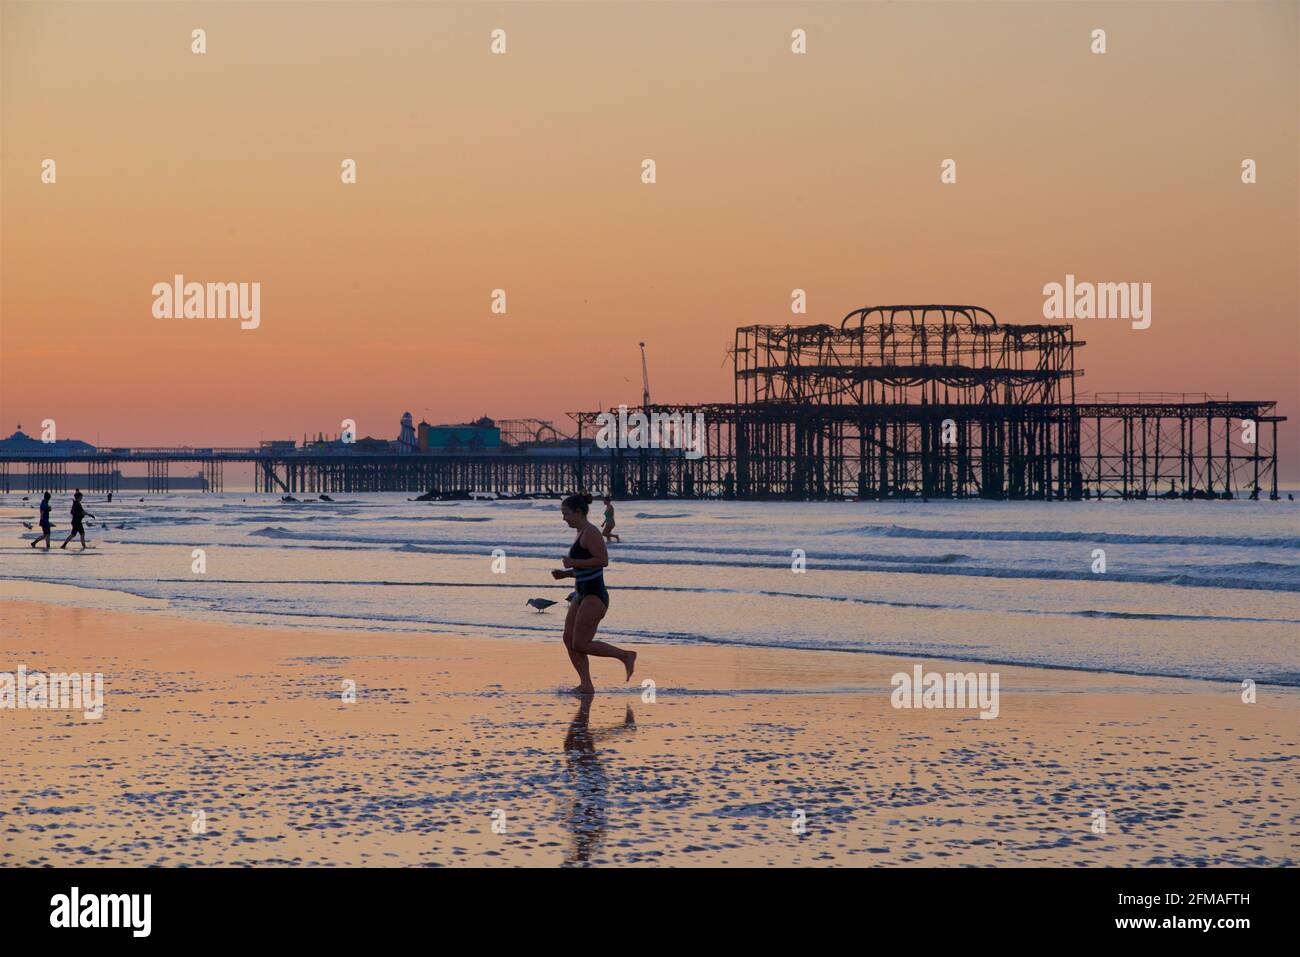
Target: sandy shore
(447, 735)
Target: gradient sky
(522, 171)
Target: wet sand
(449, 736)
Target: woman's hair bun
(578, 501)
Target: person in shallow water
(584, 564)
(44, 523)
(607, 528)
(79, 514)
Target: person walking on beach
(607, 529)
(44, 523)
(78, 515)
(590, 600)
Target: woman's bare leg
(579, 661)
(590, 612)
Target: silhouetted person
(585, 564)
(78, 515)
(607, 529)
(44, 523)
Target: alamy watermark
(1103, 300)
(75, 909)
(54, 690)
(930, 689)
(658, 430)
(213, 300)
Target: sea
(1206, 590)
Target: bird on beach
(541, 604)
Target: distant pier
(930, 401)
(293, 471)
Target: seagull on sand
(541, 604)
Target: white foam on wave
(1195, 589)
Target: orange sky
(522, 172)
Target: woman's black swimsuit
(590, 581)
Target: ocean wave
(1103, 538)
(247, 586)
(271, 531)
(371, 621)
(723, 556)
(921, 565)
(1188, 576)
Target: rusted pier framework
(944, 401)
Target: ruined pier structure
(942, 401)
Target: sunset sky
(522, 172)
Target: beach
(231, 744)
(651, 436)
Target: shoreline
(80, 596)
(451, 735)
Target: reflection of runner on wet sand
(590, 783)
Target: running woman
(585, 564)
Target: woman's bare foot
(630, 664)
(583, 690)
